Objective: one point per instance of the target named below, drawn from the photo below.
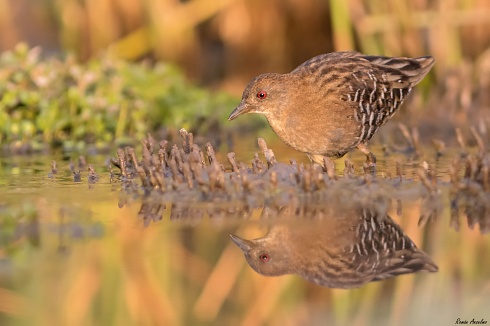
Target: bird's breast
(321, 128)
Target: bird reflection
(343, 249)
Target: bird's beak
(245, 245)
(242, 108)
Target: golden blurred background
(223, 43)
(175, 274)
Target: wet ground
(104, 250)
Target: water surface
(80, 253)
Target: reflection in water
(470, 195)
(172, 273)
(342, 235)
(343, 249)
(340, 243)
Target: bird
(341, 250)
(333, 102)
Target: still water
(80, 253)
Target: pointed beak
(242, 108)
(245, 245)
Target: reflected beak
(245, 245)
(240, 109)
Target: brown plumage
(333, 102)
(344, 249)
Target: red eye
(262, 94)
(264, 257)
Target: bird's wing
(397, 72)
(402, 71)
(384, 250)
(373, 86)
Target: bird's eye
(264, 257)
(262, 94)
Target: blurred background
(223, 43)
(84, 260)
(220, 45)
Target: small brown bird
(333, 102)
(338, 251)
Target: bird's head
(264, 255)
(264, 95)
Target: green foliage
(60, 101)
(18, 225)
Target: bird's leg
(316, 158)
(370, 158)
(325, 163)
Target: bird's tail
(403, 70)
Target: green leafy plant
(63, 102)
